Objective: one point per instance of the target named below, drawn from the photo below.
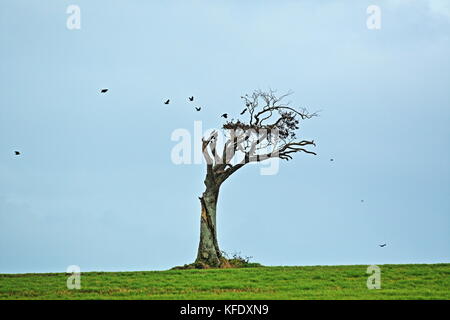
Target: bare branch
(251, 139)
(205, 144)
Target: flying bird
(104, 90)
(382, 245)
(191, 98)
(225, 115)
(198, 109)
(167, 102)
(243, 111)
(331, 159)
(17, 153)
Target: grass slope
(413, 281)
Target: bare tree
(269, 132)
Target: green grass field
(413, 281)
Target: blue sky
(95, 185)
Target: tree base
(224, 264)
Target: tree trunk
(208, 250)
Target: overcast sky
(95, 185)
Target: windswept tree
(268, 132)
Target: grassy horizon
(398, 281)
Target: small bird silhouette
(225, 115)
(362, 200)
(104, 90)
(382, 245)
(331, 159)
(17, 153)
(243, 111)
(191, 98)
(248, 104)
(167, 102)
(198, 109)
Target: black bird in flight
(167, 102)
(17, 153)
(243, 111)
(104, 90)
(191, 98)
(382, 245)
(198, 109)
(331, 159)
(225, 115)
